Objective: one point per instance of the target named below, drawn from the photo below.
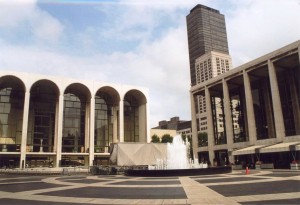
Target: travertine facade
(266, 92)
(53, 121)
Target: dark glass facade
(11, 118)
(103, 122)
(41, 122)
(206, 31)
(131, 119)
(74, 123)
(219, 122)
(238, 117)
(263, 110)
(288, 84)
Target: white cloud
(160, 66)
(45, 27)
(17, 15)
(14, 12)
(254, 28)
(257, 27)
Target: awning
(248, 150)
(281, 147)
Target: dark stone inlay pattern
(105, 177)
(232, 179)
(27, 179)
(146, 183)
(273, 202)
(274, 187)
(282, 175)
(68, 178)
(206, 176)
(159, 178)
(123, 193)
(32, 202)
(85, 181)
(18, 187)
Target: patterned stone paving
(263, 187)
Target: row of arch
(67, 117)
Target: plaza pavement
(259, 187)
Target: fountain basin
(178, 172)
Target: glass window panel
(4, 98)
(7, 108)
(3, 118)
(4, 130)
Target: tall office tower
(206, 32)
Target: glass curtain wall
(73, 123)
(103, 122)
(131, 119)
(218, 120)
(287, 82)
(237, 105)
(11, 117)
(263, 109)
(41, 123)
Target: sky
(135, 42)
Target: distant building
(206, 31)
(173, 126)
(208, 54)
(161, 132)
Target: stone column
(142, 123)
(277, 110)
(92, 131)
(210, 126)
(121, 121)
(115, 124)
(59, 129)
(250, 109)
(56, 126)
(228, 118)
(24, 129)
(148, 137)
(194, 127)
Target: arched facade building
(52, 121)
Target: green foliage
(189, 138)
(166, 138)
(190, 151)
(155, 139)
(202, 139)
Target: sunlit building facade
(48, 121)
(260, 110)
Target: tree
(190, 151)
(202, 139)
(166, 138)
(155, 139)
(188, 137)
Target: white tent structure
(136, 154)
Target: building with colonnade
(48, 121)
(262, 97)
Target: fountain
(177, 157)
(178, 163)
